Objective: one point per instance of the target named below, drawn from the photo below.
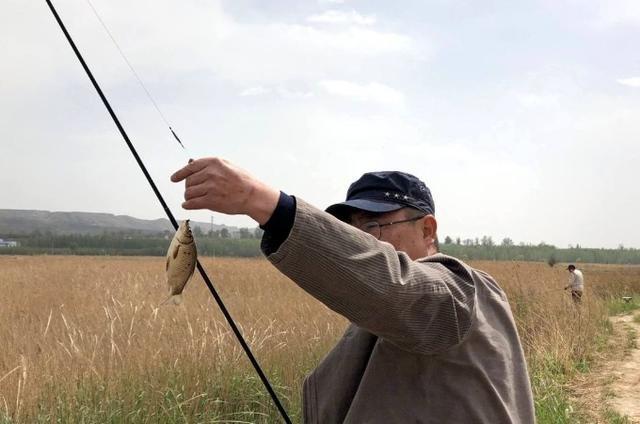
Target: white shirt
(576, 280)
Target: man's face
(410, 237)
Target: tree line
(246, 243)
(542, 253)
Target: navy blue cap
(385, 191)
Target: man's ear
(430, 227)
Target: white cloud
(597, 14)
(293, 94)
(533, 100)
(340, 17)
(254, 91)
(331, 1)
(618, 12)
(354, 40)
(281, 91)
(631, 82)
(372, 92)
(194, 38)
(276, 53)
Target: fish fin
(175, 299)
(175, 251)
(165, 301)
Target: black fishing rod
(203, 273)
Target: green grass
(550, 378)
(620, 307)
(551, 398)
(613, 417)
(617, 306)
(583, 365)
(632, 336)
(168, 397)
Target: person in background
(432, 340)
(576, 283)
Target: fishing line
(144, 87)
(201, 269)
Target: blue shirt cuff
(278, 227)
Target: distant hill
(25, 221)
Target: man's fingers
(198, 178)
(193, 167)
(195, 191)
(196, 203)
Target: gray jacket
(431, 341)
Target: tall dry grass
(73, 327)
(82, 339)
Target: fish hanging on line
(181, 262)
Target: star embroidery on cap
(405, 197)
(396, 195)
(386, 194)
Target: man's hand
(220, 186)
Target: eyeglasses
(375, 228)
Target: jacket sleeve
(423, 306)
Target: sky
(522, 117)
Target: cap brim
(340, 210)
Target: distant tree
(197, 231)
(448, 240)
(224, 233)
(244, 233)
(507, 242)
(258, 232)
(458, 242)
(552, 259)
(487, 241)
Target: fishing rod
(201, 269)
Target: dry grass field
(82, 339)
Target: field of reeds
(82, 338)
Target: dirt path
(612, 389)
(626, 375)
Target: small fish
(181, 262)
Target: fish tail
(175, 299)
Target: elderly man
(576, 283)
(432, 340)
